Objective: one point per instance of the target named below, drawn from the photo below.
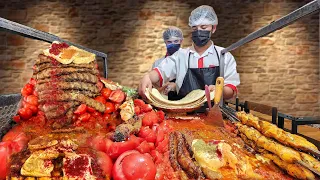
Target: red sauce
(77, 167)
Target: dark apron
(197, 78)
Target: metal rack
(310, 8)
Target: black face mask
(200, 37)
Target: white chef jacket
(157, 62)
(176, 66)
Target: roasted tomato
(91, 109)
(137, 110)
(105, 92)
(145, 147)
(33, 108)
(148, 134)
(80, 109)
(146, 108)
(134, 165)
(157, 157)
(117, 148)
(84, 117)
(149, 119)
(17, 138)
(105, 163)
(139, 102)
(33, 100)
(27, 90)
(5, 152)
(101, 99)
(109, 108)
(163, 145)
(97, 142)
(25, 113)
(117, 96)
(161, 116)
(16, 119)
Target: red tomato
(100, 99)
(106, 117)
(90, 109)
(32, 81)
(16, 118)
(109, 108)
(17, 137)
(33, 108)
(35, 93)
(149, 119)
(156, 156)
(80, 109)
(160, 135)
(148, 134)
(117, 106)
(84, 117)
(146, 108)
(137, 110)
(117, 148)
(25, 113)
(160, 115)
(117, 96)
(163, 145)
(5, 152)
(105, 92)
(32, 99)
(97, 143)
(105, 163)
(136, 140)
(133, 165)
(138, 103)
(26, 91)
(144, 147)
(138, 166)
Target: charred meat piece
(49, 72)
(74, 97)
(61, 85)
(173, 152)
(185, 160)
(123, 131)
(53, 91)
(78, 77)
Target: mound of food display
(74, 124)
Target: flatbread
(186, 105)
(188, 99)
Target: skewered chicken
(294, 170)
(272, 131)
(285, 153)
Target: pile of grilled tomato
(141, 156)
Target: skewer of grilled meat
(61, 85)
(185, 160)
(78, 77)
(47, 73)
(74, 97)
(173, 154)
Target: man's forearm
(154, 76)
(227, 93)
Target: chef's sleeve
(231, 76)
(167, 69)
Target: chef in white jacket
(172, 38)
(195, 67)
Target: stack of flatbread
(190, 102)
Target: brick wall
(281, 69)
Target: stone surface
(281, 69)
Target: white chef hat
(203, 15)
